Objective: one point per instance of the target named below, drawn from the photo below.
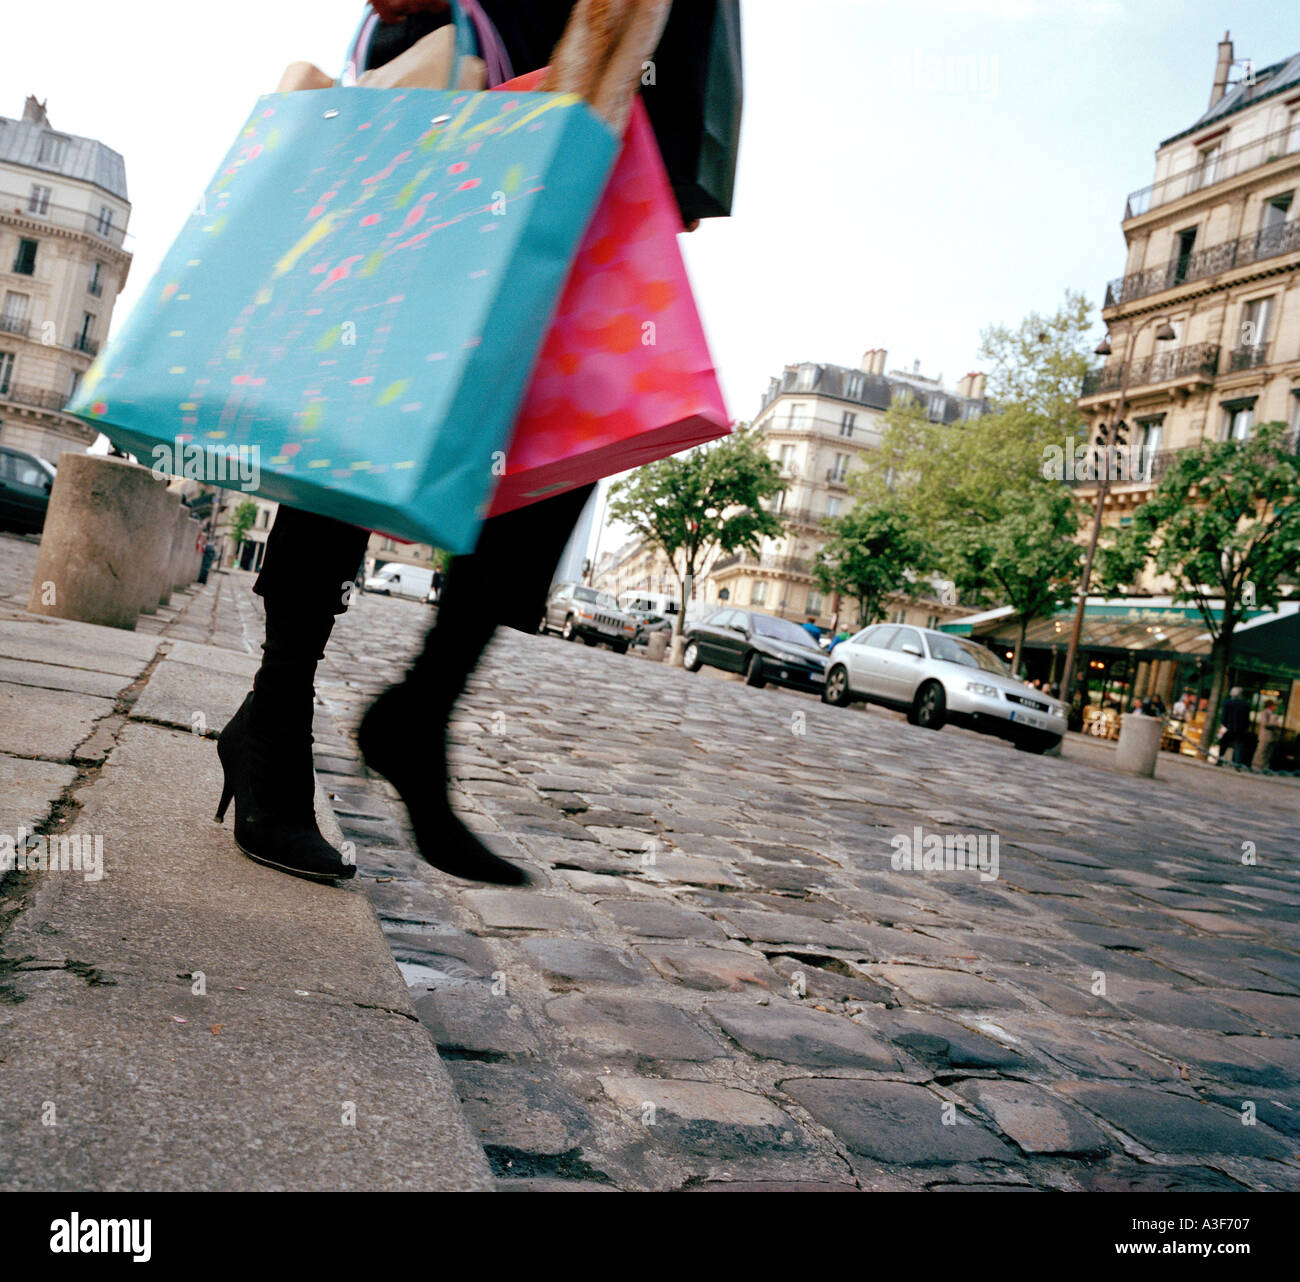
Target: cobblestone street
(720, 977)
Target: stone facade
(63, 218)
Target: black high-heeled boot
(265, 752)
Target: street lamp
(1165, 334)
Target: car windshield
(967, 653)
(782, 630)
(602, 599)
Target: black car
(761, 646)
(25, 482)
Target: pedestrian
(1180, 707)
(1234, 727)
(435, 586)
(811, 628)
(311, 560)
(1268, 725)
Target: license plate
(1028, 719)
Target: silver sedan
(937, 678)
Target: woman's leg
(307, 573)
(403, 736)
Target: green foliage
(1224, 522)
(704, 500)
(242, 520)
(871, 554)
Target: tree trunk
(1020, 645)
(677, 645)
(1220, 654)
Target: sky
(909, 172)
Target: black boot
(265, 752)
(403, 737)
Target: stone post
(1139, 744)
(93, 563)
(163, 537)
(181, 548)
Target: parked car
(401, 580)
(937, 678)
(647, 625)
(761, 646)
(25, 484)
(576, 612)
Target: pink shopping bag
(624, 376)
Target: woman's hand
(427, 64)
(303, 75)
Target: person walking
(1235, 727)
(1268, 725)
(311, 560)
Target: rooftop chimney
(873, 360)
(1221, 68)
(34, 112)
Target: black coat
(1236, 716)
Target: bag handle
(467, 40)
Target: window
(853, 386)
(105, 224)
(880, 636)
(1295, 412)
(832, 506)
(800, 415)
(38, 202)
(1148, 446)
(1207, 165)
(6, 371)
(84, 342)
(1240, 419)
(758, 593)
(807, 377)
(841, 468)
(936, 409)
(814, 602)
(25, 258)
(786, 459)
(51, 150)
(1276, 210)
(1254, 322)
(1293, 130)
(13, 318)
(96, 285)
(847, 420)
(906, 636)
(1183, 241)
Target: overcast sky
(909, 172)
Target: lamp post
(1165, 334)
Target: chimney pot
(1222, 68)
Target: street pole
(1103, 488)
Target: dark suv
(25, 482)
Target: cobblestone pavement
(722, 979)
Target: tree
(872, 553)
(981, 492)
(708, 499)
(1224, 522)
(241, 521)
(1027, 558)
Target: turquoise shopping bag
(353, 311)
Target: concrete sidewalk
(188, 1019)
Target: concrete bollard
(1139, 744)
(191, 567)
(180, 548)
(91, 565)
(656, 646)
(161, 543)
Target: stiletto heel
(227, 794)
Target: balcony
(837, 478)
(41, 399)
(1247, 357)
(1268, 242)
(1228, 164)
(15, 325)
(84, 344)
(1198, 361)
(787, 564)
(1149, 469)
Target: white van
(401, 580)
(664, 604)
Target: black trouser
(311, 561)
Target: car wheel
(567, 631)
(1037, 741)
(691, 660)
(836, 690)
(754, 672)
(930, 709)
(543, 627)
(620, 647)
(591, 641)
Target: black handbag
(695, 104)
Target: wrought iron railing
(15, 325)
(1227, 164)
(1199, 360)
(84, 344)
(1268, 242)
(39, 397)
(1148, 469)
(1247, 357)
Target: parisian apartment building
(63, 262)
(1204, 325)
(821, 424)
